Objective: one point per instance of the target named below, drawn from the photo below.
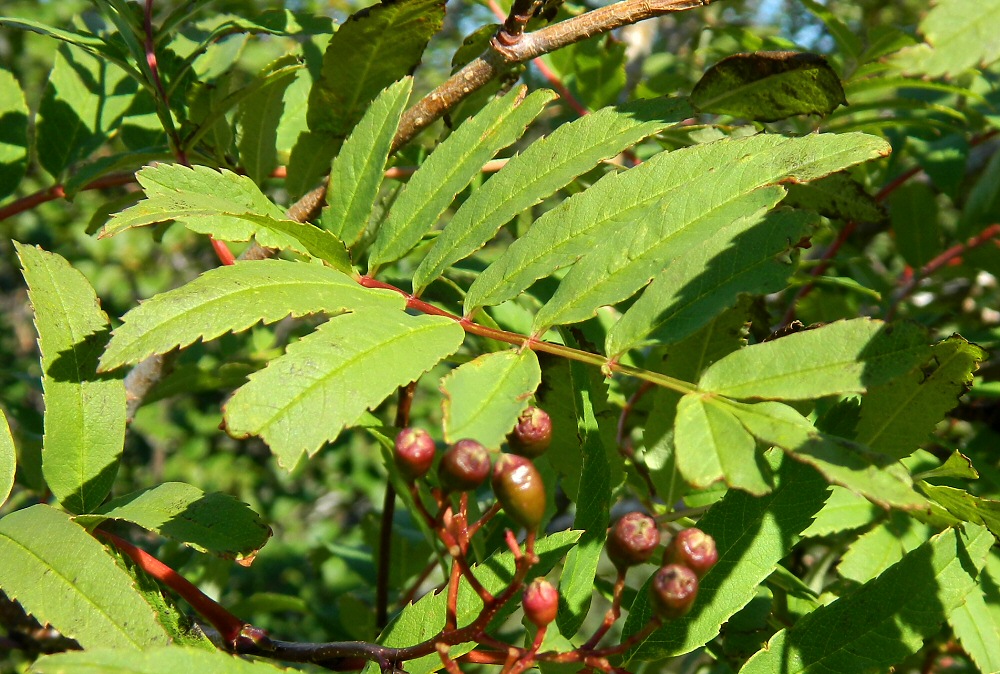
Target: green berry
(520, 490)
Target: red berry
(532, 434)
(465, 466)
(694, 549)
(673, 590)
(414, 453)
(632, 540)
(520, 490)
(541, 602)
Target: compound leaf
(14, 141)
(484, 397)
(84, 412)
(160, 660)
(844, 357)
(63, 576)
(451, 167)
(543, 168)
(357, 170)
(326, 380)
(231, 299)
(902, 606)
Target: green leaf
(546, 166)
(712, 444)
(309, 159)
(658, 211)
(424, 619)
(452, 165)
(63, 576)
(956, 465)
(593, 70)
(752, 534)
(84, 412)
(901, 607)
(226, 205)
(769, 85)
(357, 170)
(882, 546)
(259, 115)
(897, 417)
(755, 255)
(959, 35)
(836, 196)
(843, 357)
(877, 477)
(160, 660)
(484, 397)
(215, 523)
(83, 39)
(965, 506)
(977, 631)
(847, 40)
(916, 223)
(326, 380)
(8, 459)
(14, 137)
(843, 511)
(372, 49)
(233, 298)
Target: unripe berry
(673, 590)
(465, 466)
(632, 540)
(532, 434)
(520, 490)
(541, 602)
(414, 453)
(694, 549)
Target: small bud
(465, 466)
(532, 434)
(632, 540)
(694, 549)
(414, 453)
(520, 490)
(673, 590)
(541, 602)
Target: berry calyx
(532, 434)
(541, 602)
(694, 549)
(519, 489)
(632, 540)
(673, 590)
(414, 453)
(464, 466)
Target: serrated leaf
(233, 298)
(544, 167)
(14, 142)
(877, 477)
(259, 115)
(844, 357)
(959, 35)
(913, 209)
(159, 660)
(215, 522)
(752, 535)
(977, 631)
(965, 506)
(372, 49)
(843, 511)
(767, 86)
(836, 196)
(882, 546)
(358, 168)
(450, 168)
(484, 397)
(425, 618)
(957, 465)
(8, 459)
(63, 576)
(903, 606)
(708, 186)
(847, 41)
(82, 39)
(226, 205)
(309, 160)
(754, 255)
(326, 380)
(897, 417)
(711, 444)
(84, 412)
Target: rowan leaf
(450, 168)
(544, 167)
(233, 298)
(975, 628)
(160, 660)
(63, 576)
(14, 142)
(326, 380)
(84, 411)
(958, 35)
(259, 115)
(8, 459)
